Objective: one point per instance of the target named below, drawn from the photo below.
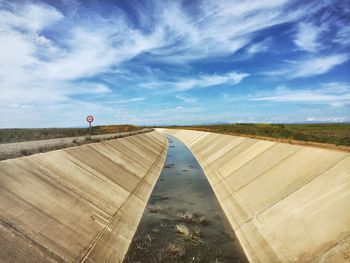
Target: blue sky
(173, 62)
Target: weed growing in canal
(143, 242)
(171, 251)
(176, 249)
(192, 236)
(183, 230)
(158, 209)
(194, 218)
(219, 258)
(196, 235)
(155, 209)
(187, 217)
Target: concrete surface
(79, 204)
(286, 203)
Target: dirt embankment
(330, 146)
(335, 136)
(15, 150)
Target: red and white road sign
(89, 119)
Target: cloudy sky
(173, 62)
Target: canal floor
(183, 221)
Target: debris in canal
(157, 209)
(144, 242)
(155, 230)
(159, 197)
(169, 165)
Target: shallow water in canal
(183, 221)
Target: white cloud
(32, 61)
(221, 28)
(88, 88)
(94, 50)
(51, 58)
(318, 65)
(258, 47)
(334, 94)
(33, 17)
(307, 37)
(37, 69)
(231, 78)
(342, 35)
(125, 101)
(229, 97)
(327, 119)
(186, 98)
(314, 66)
(19, 34)
(179, 84)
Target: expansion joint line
(122, 206)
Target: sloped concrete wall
(285, 203)
(80, 204)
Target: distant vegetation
(338, 134)
(20, 135)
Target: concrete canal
(183, 221)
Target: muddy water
(183, 221)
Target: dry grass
(196, 235)
(21, 135)
(155, 209)
(194, 218)
(176, 249)
(15, 150)
(158, 209)
(188, 235)
(329, 136)
(172, 251)
(183, 231)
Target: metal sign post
(89, 119)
